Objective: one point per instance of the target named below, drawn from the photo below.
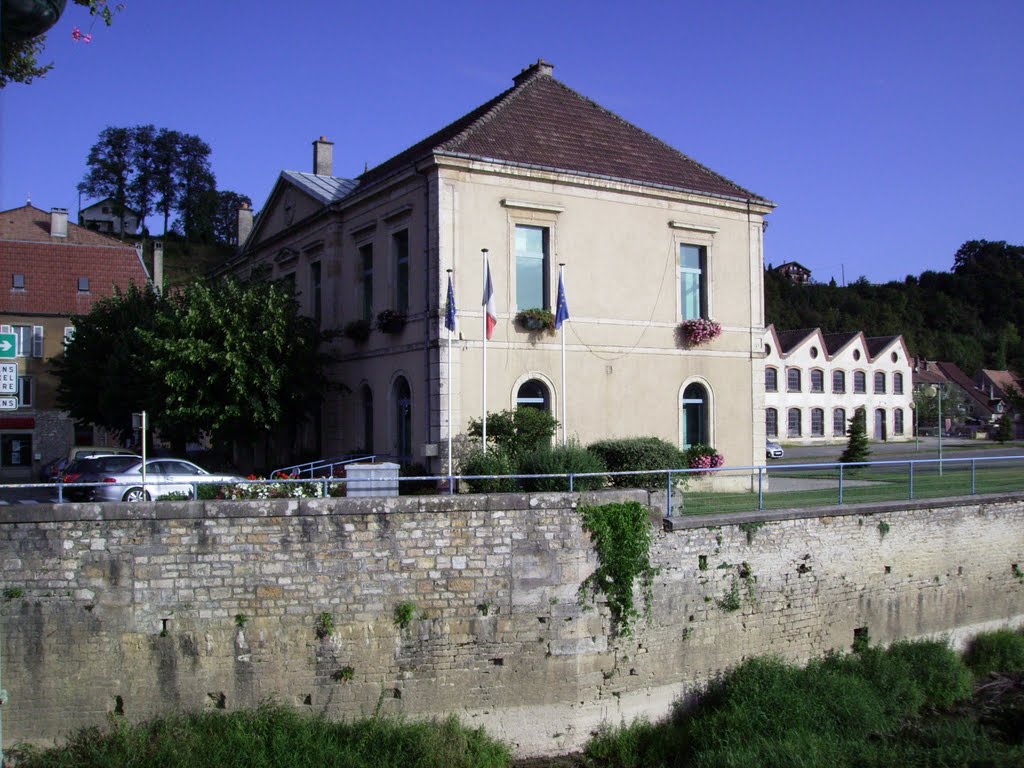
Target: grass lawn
(813, 487)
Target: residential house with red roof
(53, 269)
(815, 382)
(537, 177)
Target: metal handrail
(671, 486)
(312, 466)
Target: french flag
(491, 312)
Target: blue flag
(449, 308)
(562, 312)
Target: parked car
(773, 450)
(85, 451)
(52, 470)
(122, 480)
(92, 469)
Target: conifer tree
(857, 448)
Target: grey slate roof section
(326, 189)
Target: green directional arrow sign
(8, 346)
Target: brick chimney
(244, 226)
(59, 222)
(540, 68)
(323, 157)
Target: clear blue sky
(887, 133)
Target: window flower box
(704, 457)
(693, 333)
(357, 330)
(390, 321)
(535, 319)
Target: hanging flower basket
(390, 321)
(357, 330)
(535, 319)
(693, 333)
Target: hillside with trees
(971, 315)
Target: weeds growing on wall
(621, 534)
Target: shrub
(639, 453)
(494, 462)
(999, 651)
(571, 458)
(518, 431)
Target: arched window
(792, 379)
(401, 398)
(880, 433)
(817, 422)
(839, 382)
(817, 380)
(771, 422)
(771, 379)
(897, 420)
(839, 421)
(534, 394)
(695, 415)
(794, 422)
(860, 385)
(879, 382)
(367, 406)
(897, 383)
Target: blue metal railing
(319, 465)
(831, 483)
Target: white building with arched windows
(814, 383)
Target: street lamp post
(940, 431)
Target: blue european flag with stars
(562, 312)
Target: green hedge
(572, 458)
(494, 462)
(639, 453)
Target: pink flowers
(80, 36)
(700, 331)
(704, 457)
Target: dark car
(93, 469)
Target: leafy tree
(516, 432)
(104, 374)
(165, 161)
(232, 359)
(225, 218)
(857, 448)
(110, 169)
(197, 189)
(142, 187)
(237, 359)
(23, 37)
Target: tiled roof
(51, 266)
(953, 373)
(789, 340)
(834, 342)
(878, 344)
(542, 123)
(1004, 380)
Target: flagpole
(565, 392)
(483, 400)
(449, 317)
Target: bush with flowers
(703, 457)
(699, 331)
(279, 486)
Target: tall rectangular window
(316, 298)
(532, 268)
(366, 265)
(400, 248)
(771, 422)
(693, 281)
(25, 392)
(30, 340)
(771, 380)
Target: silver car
(163, 476)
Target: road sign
(8, 378)
(8, 346)
(8, 403)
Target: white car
(163, 476)
(773, 450)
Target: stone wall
(139, 609)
